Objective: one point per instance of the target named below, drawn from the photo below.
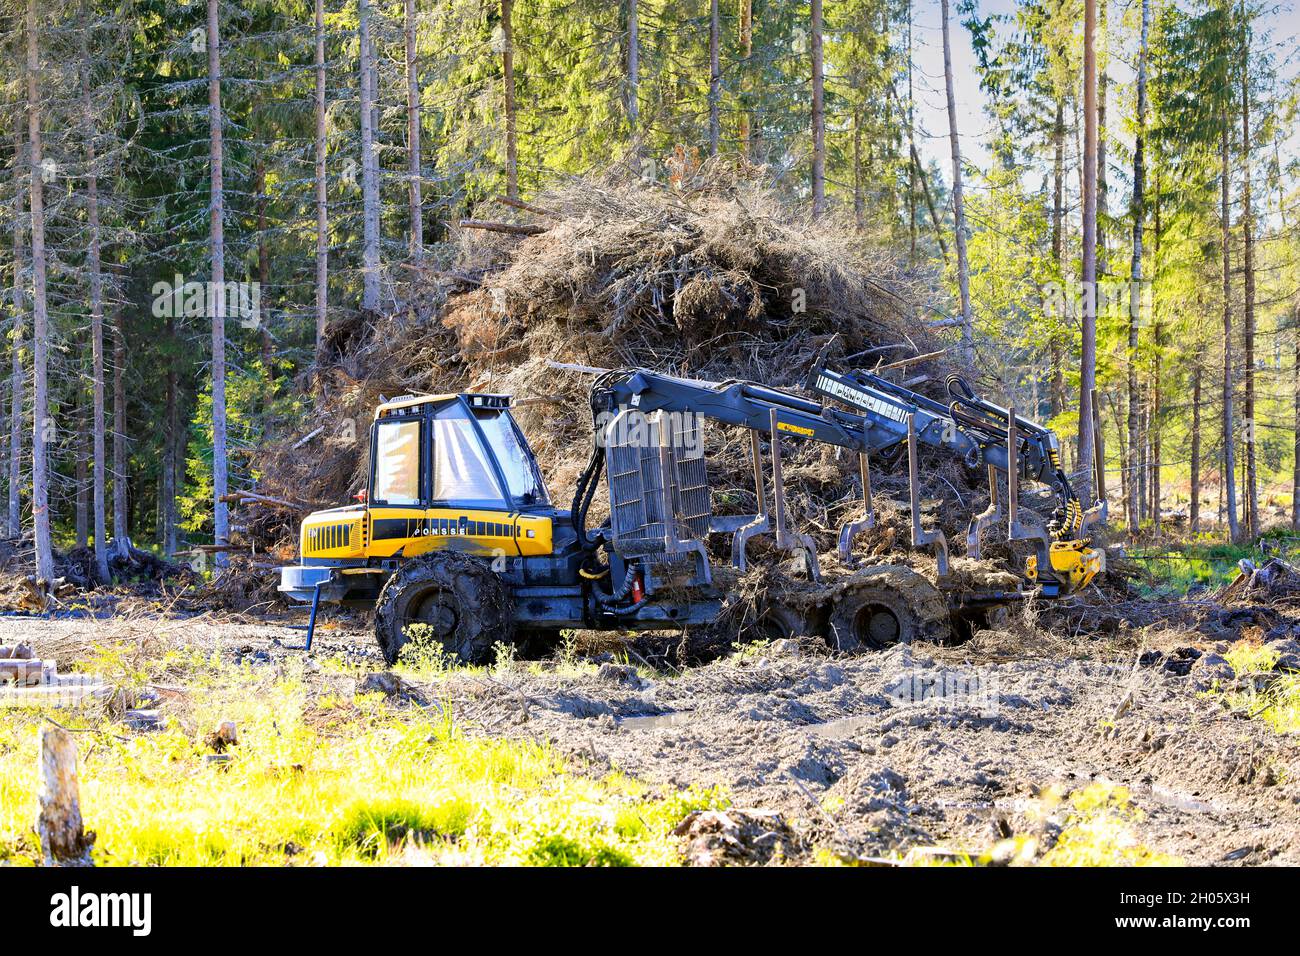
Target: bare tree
(322, 213)
(216, 301)
(1138, 211)
(1088, 350)
(958, 208)
(369, 167)
(508, 82)
(818, 114)
(40, 316)
(413, 136)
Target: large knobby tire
(886, 606)
(465, 606)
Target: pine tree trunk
(16, 375)
(634, 69)
(121, 523)
(216, 303)
(911, 144)
(958, 207)
(1103, 209)
(1056, 399)
(1138, 212)
(1154, 428)
(99, 454)
(818, 114)
(41, 422)
(1248, 314)
(1295, 470)
(170, 442)
(1088, 349)
(1229, 423)
(508, 82)
(81, 470)
(413, 137)
(369, 168)
(715, 80)
(1194, 507)
(746, 91)
(322, 214)
(859, 196)
(263, 271)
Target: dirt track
(857, 753)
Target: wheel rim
(876, 625)
(437, 609)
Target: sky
(975, 128)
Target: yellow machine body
(1074, 564)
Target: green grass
(322, 780)
(1278, 705)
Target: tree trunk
(42, 425)
(1229, 424)
(16, 384)
(1138, 212)
(99, 454)
(322, 216)
(413, 137)
(634, 69)
(1248, 314)
(1088, 350)
(121, 522)
(1056, 399)
(508, 83)
(81, 468)
(958, 208)
(171, 442)
(369, 168)
(1103, 209)
(911, 144)
(715, 80)
(263, 271)
(216, 303)
(746, 54)
(1295, 469)
(818, 114)
(1194, 506)
(859, 198)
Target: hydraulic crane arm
(970, 428)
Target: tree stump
(64, 841)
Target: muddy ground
(869, 755)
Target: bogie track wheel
(885, 606)
(462, 607)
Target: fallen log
(526, 207)
(509, 228)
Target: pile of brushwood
(709, 276)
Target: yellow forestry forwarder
(457, 532)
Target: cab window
(462, 472)
(397, 463)
(523, 480)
